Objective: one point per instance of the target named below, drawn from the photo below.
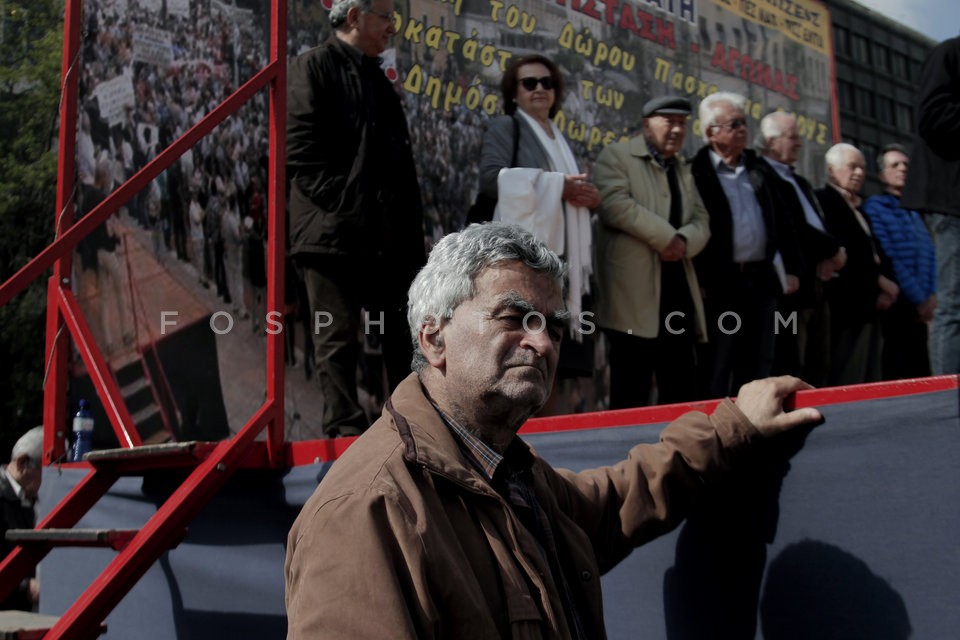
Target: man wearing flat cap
(652, 222)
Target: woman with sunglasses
(527, 166)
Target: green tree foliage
(31, 37)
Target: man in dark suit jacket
(750, 259)
(803, 348)
(356, 221)
(864, 286)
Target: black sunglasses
(530, 84)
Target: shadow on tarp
(817, 590)
(878, 483)
(713, 588)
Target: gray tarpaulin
(849, 531)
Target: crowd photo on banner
(681, 160)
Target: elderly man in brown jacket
(440, 523)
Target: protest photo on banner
(192, 244)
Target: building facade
(878, 66)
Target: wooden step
(116, 539)
(136, 460)
(134, 387)
(145, 413)
(25, 625)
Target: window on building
(845, 95)
(861, 48)
(915, 68)
(884, 109)
(841, 41)
(898, 64)
(881, 57)
(904, 117)
(866, 106)
(869, 155)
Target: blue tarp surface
(849, 531)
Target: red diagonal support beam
(67, 513)
(100, 375)
(93, 606)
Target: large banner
(192, 242)
(615, 56)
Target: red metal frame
(64, 318)
(63, 314)
(316, 451)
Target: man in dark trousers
(356, 230)
(651, 225)
(751, 257)
(932, 189)
(803, 349)
(864, 288)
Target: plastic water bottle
(82, 432)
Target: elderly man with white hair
(751, 257)
(805, 351)
(864, 286)
(19, 486)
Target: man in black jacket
(356, 228)
(803, 349)
(864, 287)
(19, 486)
(751, 257)
(932, 190)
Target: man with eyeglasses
(751, 258)
(356, 222)
(652, 223)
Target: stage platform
(851, 530)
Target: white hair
(457, 259)
(29, 444)
(834, 155)
(710, 105)
(772, 126)
(338, 13)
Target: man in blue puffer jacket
(904, 239)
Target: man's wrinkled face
(665, 132)
(849, 173)
(501, 346)
(31, 473)
(728, 135)
(786, 147)
(375, 28)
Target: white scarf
(533, 198)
